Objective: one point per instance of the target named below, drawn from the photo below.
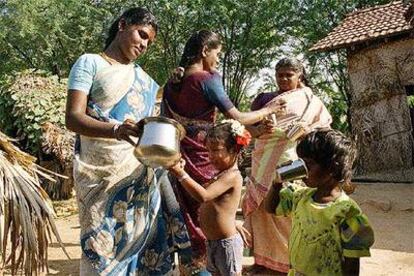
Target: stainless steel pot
(159, 142)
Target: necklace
(109, 59)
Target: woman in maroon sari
(193, 100)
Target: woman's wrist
(182, 176)
(115, 131)
(262, 114)
(267, 112)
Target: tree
(50, 34)
(47, 34)
(251, 39)
(249, 30)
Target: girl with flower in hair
(220, 197)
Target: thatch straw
(58, 143)
(26, 212)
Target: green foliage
(248, 28)
(48, 34)
(335, 103)
(27, 101)
(269, 82)
(410, 101)
(251, 38)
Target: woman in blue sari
(130, 221)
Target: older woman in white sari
(270, 234)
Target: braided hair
(195, 44)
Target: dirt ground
(390, 208)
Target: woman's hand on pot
(178, 168)
(125, 130)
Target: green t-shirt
(323, 234)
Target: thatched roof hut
(380, 51)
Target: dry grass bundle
(26, 212)
(58, 143)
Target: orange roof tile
(367, 24)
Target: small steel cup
(295, 132)
(293, 170)
(273, 118)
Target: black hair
(295, 65)
(133, 16)
(331, 150)
(195, 44)
(222, 133)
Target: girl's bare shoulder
(232, 176)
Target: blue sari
(130, 220)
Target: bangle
(264, 112)
(115, 129)
(184, 176)
(261, 115)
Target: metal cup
(273, 118)
(291, 171)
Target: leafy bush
(410, 101)
(28, 100)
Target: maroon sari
(193, 103)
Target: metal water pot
(159, 142)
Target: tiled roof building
(380, 62)
(369, 24)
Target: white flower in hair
(240, 134)
(237, 129)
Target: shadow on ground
(64, 267)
